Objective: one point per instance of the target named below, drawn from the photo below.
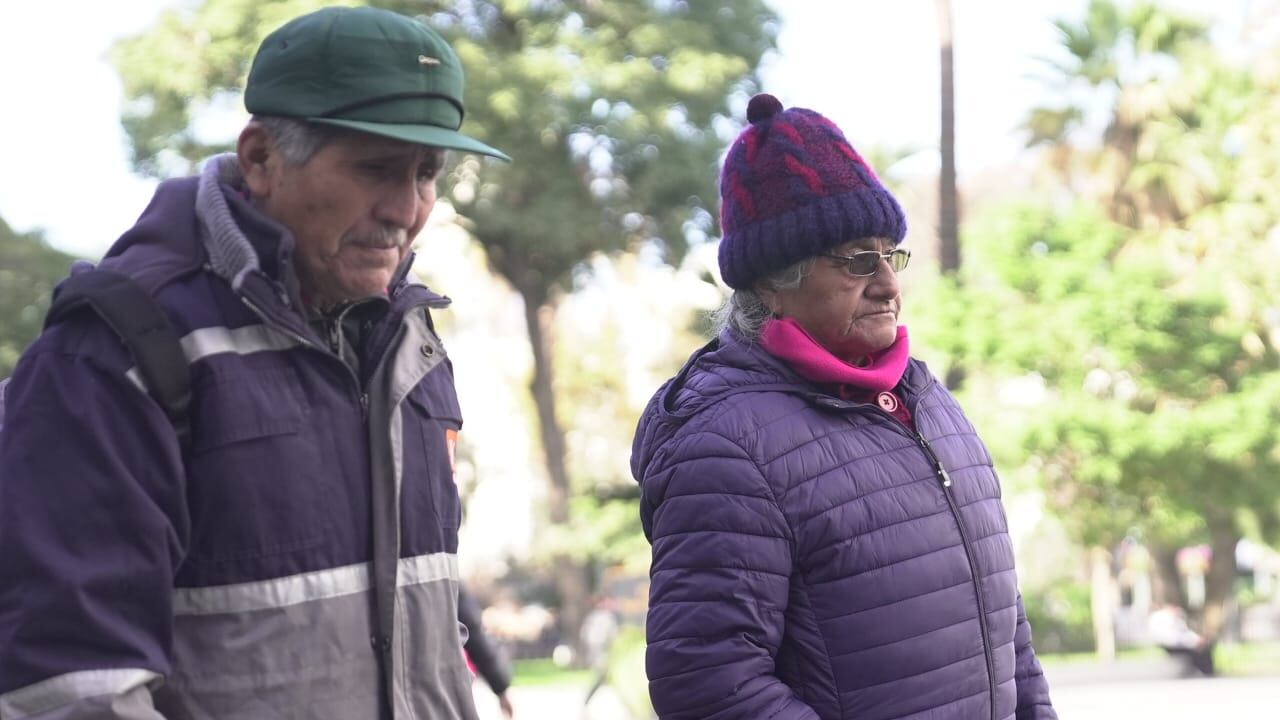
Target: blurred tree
(1162, 404)
(29, 269)
(948, 205)
(629, 325)
(615, 112)
(948, 200)
(1150, 306)
(1116, 69)
(1156, 322)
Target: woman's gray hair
(297, 140)
(746, 312)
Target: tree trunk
(1167, 586)
(948, 205)
(948, 202)
(569, 578)
(1220, 579)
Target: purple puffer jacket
(814, 558)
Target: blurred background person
(599, 630)
(1167, 627)
(484, 657)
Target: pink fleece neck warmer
(784, 338)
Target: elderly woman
(828, 538)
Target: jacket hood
(728, 365)
(148, 251)
(191, 223)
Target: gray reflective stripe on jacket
(119, 693)
(222, 668)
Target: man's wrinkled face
(353, 210)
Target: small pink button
(887, 401)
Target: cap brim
(422, 134)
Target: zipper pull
(335, 336)
(364, 406)
(937, 462)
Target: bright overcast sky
(872, 67)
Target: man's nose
(399, 204)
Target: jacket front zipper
(385, 556)
(944, 479)
(306, 342)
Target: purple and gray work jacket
(296, 559)
(816, 559)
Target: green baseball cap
(366, 69)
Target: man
(296, 556)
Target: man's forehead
(368, 144)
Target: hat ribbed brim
(766, 246)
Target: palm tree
(948, 212)
(1132, 59)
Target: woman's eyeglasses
(865, 263)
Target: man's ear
(256, 152)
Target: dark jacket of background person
(235, 579)
(809, 562)
(489, 664)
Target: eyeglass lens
(868, 261)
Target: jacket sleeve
(1033, 689)
(483, 654)
(720, 578)
(93, 526)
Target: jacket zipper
(382, 639)
(944, 479)
(361, 396)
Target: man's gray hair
(746, 312)
(297, 140)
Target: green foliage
(1147, 308)
(627, 672)
(29, 270)
(1061, 618)
(542, 672)
(608, 110)
(1159, 413)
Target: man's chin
(358, 286)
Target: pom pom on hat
(793, 187)
(762, 107)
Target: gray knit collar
(231, 255)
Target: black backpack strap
(145, 330)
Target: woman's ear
(771, 299)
